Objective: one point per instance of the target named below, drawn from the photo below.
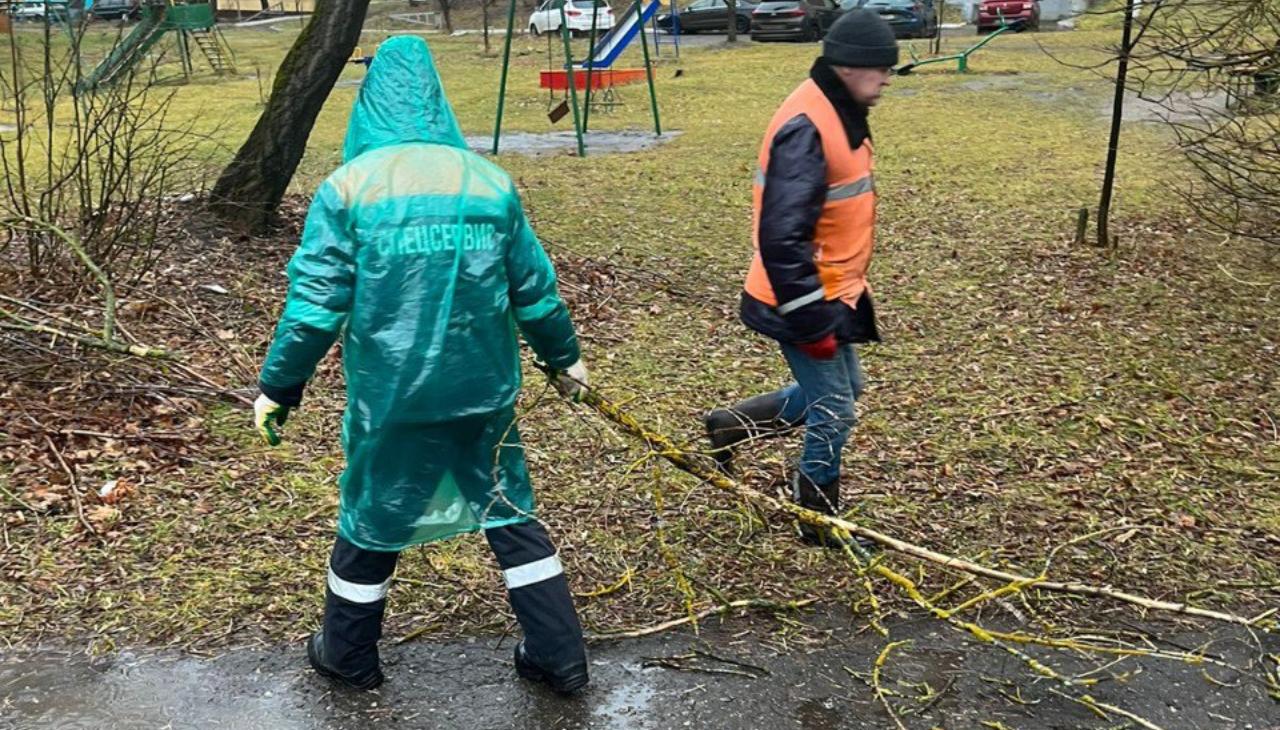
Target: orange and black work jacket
(815, 209)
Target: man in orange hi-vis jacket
(814, 225)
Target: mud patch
(1178, 107)
(559, 143)
(1008, 81)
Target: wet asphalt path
(471, 684)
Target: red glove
(823, 349)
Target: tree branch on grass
(689, 462)
(18, 323)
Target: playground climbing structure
(192, 25)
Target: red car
(990, 13)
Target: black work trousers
(356, 600)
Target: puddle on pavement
(626, 705)
(552, 143)
(68, 692)
(819, 714)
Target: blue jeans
(823, 396)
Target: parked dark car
(908, 18)
(793, 20)
(114, 9)
(1024, 14)
(707, 15)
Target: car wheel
(533, 30)
(743, 25)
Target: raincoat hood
(401, 101)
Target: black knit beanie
(861, 39)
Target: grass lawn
(1028, 391)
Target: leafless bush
(91, 167)
(1212, 68)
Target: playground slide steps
(219, 60)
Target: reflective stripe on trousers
(539, 593)
(358, 592)
(530, 573)
(354, 604)
(537, 589)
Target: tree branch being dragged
(701, 468)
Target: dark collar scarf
(852, 114)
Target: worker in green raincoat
(418, 254)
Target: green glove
(266, 415)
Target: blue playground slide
(613, 43)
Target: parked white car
(577, 14)
(39, 10)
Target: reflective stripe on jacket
(842, 237)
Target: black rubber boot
(553, 650)
(564, 680)
(824, 498)
(346, 648)
(755, 417)
(315, 653)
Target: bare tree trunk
(444, 11)
(1117, 114)
(484, 8)
(935, 44)
(251, 187)
(733, 20)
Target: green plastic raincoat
(418, 252)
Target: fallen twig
(879, 689)
(73, 485)
(624, 581)
(19, 500)
(668, 625)
(725, 660)
(18, 323)
(1102, 707)
(673, 663)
